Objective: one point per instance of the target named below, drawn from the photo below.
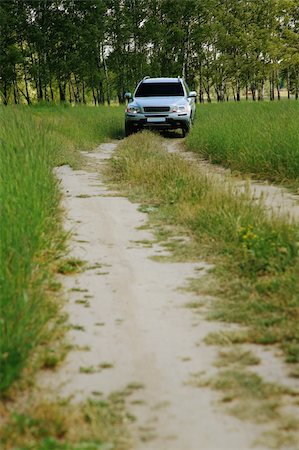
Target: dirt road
(131, 325)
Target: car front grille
(156, 109)
(156, 115)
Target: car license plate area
(156, 119)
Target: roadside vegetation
(75, 129)
(31, 238)
(261, 139)
(96, 424)
(255, 256)
(32, 142)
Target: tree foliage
(95, 50)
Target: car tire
(129, 129)
(186, 129)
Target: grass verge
(31, 239)
(32, 142)
(93, 425)
(256, 257)
(75, 129)
(257, 138)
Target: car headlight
(180, 108)
(133, 109)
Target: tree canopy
(96, 50)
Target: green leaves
(97, 50)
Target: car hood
(159, 101)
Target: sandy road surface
(127, 309)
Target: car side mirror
(192, 94)
(128, 95)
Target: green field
(261, 139)
(32, 142)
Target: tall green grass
(257, 138)
(255, 256)
(73, 129)
(32, 142)
(28, 219)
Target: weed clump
(94, 425)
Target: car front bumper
(158, 121)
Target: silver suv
(162, 103)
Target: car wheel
(186, 129)
(128, 129)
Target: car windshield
(174, 89)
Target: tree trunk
(93, 91)
(51, 90)
(62, 88)
(238, 89)
(98, 96)
(261, 91)
(70, 92)
(278, 90)
(106, 74)
(83, 93)
(27, 96)
(272, 92)
(94, 95)
(220, 92)
(201, 95)
(121, 99)
(73, 91)
(297, 87)
(39, 90)
(33, 63)
(77, 91)
(100, 92)
(16, 93)
(46, 96)
(5, 93)
(234, 94)
(208, 92)
(15, 96)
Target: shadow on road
(172, 134)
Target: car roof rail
(146, 78)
